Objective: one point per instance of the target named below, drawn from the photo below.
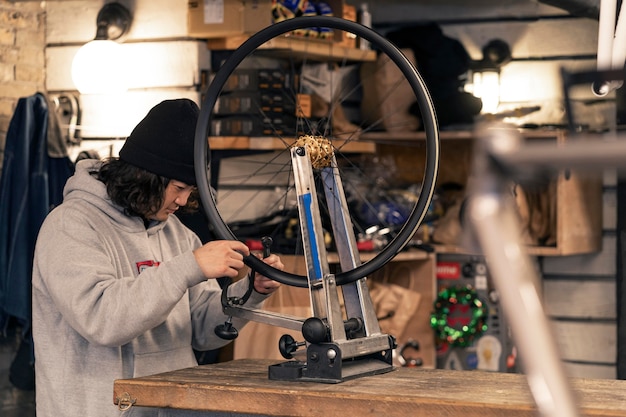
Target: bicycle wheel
(278, 65)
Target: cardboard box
(208, 19)
(343, 38)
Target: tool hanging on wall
(68, 110)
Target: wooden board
(264, 143)
(290, 46)
(243, 387)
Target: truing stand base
(324, 364)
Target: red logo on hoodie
(141, 266)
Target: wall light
(487, 88)
(99, 66)
(486, 74)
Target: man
(121, 288)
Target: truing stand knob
(287, 346)
(315, 330)
(227, 331)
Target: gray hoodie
(114, 300)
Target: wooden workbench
(242, 386)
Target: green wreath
(453, 296)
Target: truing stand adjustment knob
(315, 330)
(227, 331)
(287, 346)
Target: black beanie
(163, 142)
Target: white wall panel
(542, 38)
(71, 21)
(149, 65)
(601, 263)
(580, 299)
(609, 209)
(75, 21)
(586, 341)
(583, 370)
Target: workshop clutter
(210, 20)
(398, 168)
(395, 306)
(536, 206)
(392, 200)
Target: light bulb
(99, 68)
(487, 88)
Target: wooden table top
(242, 386)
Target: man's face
(176, 195)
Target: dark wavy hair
(137, 191)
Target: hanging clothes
(35, 169)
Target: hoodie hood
(84, 190)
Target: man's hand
(264, 285)
(221, 258)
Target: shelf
(315, 49)
(333, 258)
(403, 256)
(266, 143)
(531, 250)
(385, 137)
(417, 255)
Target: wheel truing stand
(337, 349)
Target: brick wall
(22, 58)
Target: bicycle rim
(412, 219)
